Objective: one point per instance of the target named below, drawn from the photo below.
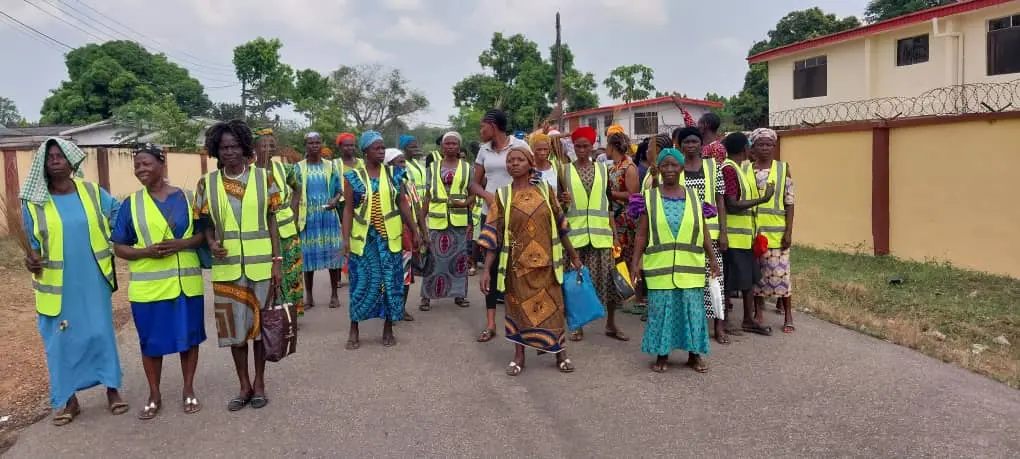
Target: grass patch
(939, 310)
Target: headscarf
(614, 129)
(313, 135)
(368, 138)
(584, 132)
(391, 154)
(519, 134)
(530, 155)
(35, 189)
(405, 140)
(453, 134)
(537, 138)
(344, 137)
(553, 132)
(667, 152)
(150, 149)
(762, 133)
(261, 133)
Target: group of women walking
(267, 227)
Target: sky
(693, 47)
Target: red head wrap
(584, 132)
(345, 136)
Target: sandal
(191, 405)
(259, 401)
(788, 328)
(577, 335)
(486, 335)
(119, 408)
(238, 403)
(514, 369)
(425, 305)
(462, 302)
(408, 317)
(352, 345)
(757, 328)
(472, 272)
(334, 303)
(389, 341)
(565, 366)
(150, 410)
(697, 364)
(65, 417)
(659, 367)
(617, 335)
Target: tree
(266, 83)
(518, 80)
(630, 82)
(172, 126)
(103, 77)
(370, 97)
(9, 115)
(727, 123)
(751, 106)
(880, 10)
(311, 93)
(226, 111)
(467, 122)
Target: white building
(641, 118)
(108, 134)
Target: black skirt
(741, 268)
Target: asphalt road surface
(821, 392)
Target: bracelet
(275, 259)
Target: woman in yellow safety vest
(286, 220)
(395, 160)
(592, 230)
(527, 231)
(237, 205)
(775, 222)
(670, 251)
(447, 204)
(156, 233)
(66, 221)
(376, 213)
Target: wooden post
(12, 183)
(880, 189)
(103, 164)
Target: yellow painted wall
(950, 188)
(832, 179)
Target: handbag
(761, 245)
(279, 326)
(580, 299)
(621, 281)
(423, 262)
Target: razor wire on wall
(951, 100)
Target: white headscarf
(455, 135)
(762, 133)
(391, 154)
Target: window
(608, 120)
(594, 123)
(1004, 45)
(809, 78)
(646, 123)
(913, 50)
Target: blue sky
(694, 47)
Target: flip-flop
(514, 369)
(389, 341)
(757, 329)
(65, 417)
(425, 306)
(192, 405)
(408, 317)
(721, 338)
(150, 410)
(656, 367)
(119, 408)
(238, 403)
(352, 345)
(565, 366)
(577, 335)
(788, 328)
(259, 401)
(698, 366)
(486, 335)
(334, 303)
(617, 335)
(462, 302)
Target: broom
(15, 226)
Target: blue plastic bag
(581, 301)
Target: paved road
(823, 392)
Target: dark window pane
(1004, 51)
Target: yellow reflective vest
(416, 173)
(674, 260)
(505, 196)
(387, 197)
(588, 213)
(740, 226)
(248, 243)
(441, 215)
(772, 213)
(285, 220)
(328, 169)
(708, 169)
(341, 168)
(48, 229)
(158, 279)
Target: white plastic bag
(715, 290)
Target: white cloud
(403, 5)
(368, 52)
(422, 30)
(515, 15)
(731, 46)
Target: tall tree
(106, 76)
(226, 111)
(311, 93)
(751, 106)
(266, 83)
(371, 97)
(630, 82)
(163, 117)
(9, 115)
(880, 10)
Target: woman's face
(670, 170)
(690, 146)
(347, 148)
(399, 162)
(451, 146)
(313, 147)
(231, 154)
(376, 152)
(486, 131)
(57, 165)
(412, 149)
(541, 149)
(583, 148)
(266, 146)
(763, 149)
(148, 169)
(517, 164)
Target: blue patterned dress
(321, 242)
(377, 276)
(676, 318)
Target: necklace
(238, 176)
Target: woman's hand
(770, 190)
(483, 282)
(787, 241)
(575, 263)
(635, 274)
(346, 251)
(713, 268)
(724, 241)
(217, 250)
(565, 198)
(457, 203)
(33, 263)
(277, 275)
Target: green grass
(967, 307)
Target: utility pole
(558, 115)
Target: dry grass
(937, 309)
(24, 389)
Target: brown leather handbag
(279, 326)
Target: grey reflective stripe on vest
(104, 226)
(360, 215)
(165, 274)
(212, 189)
(48, 289)
(248, 260)
(279, 177)
(573, 211)
(286, 221)
(260, 189)
(245, 234)
(138, 202)
(657, 245)
(745, 193)
(777, 198)
(44, 230)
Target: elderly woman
(237, 204)
(528, 233)
(290, 243)
(413, 157)
(397, 162)
(376, 213)
(67, 221)
(623, 182)
(541, 146)
(156, 232)
(671, 247)
(775, 222)
(447, 202)
(316, 185)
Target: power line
(37, 32)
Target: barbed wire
(950, 100)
